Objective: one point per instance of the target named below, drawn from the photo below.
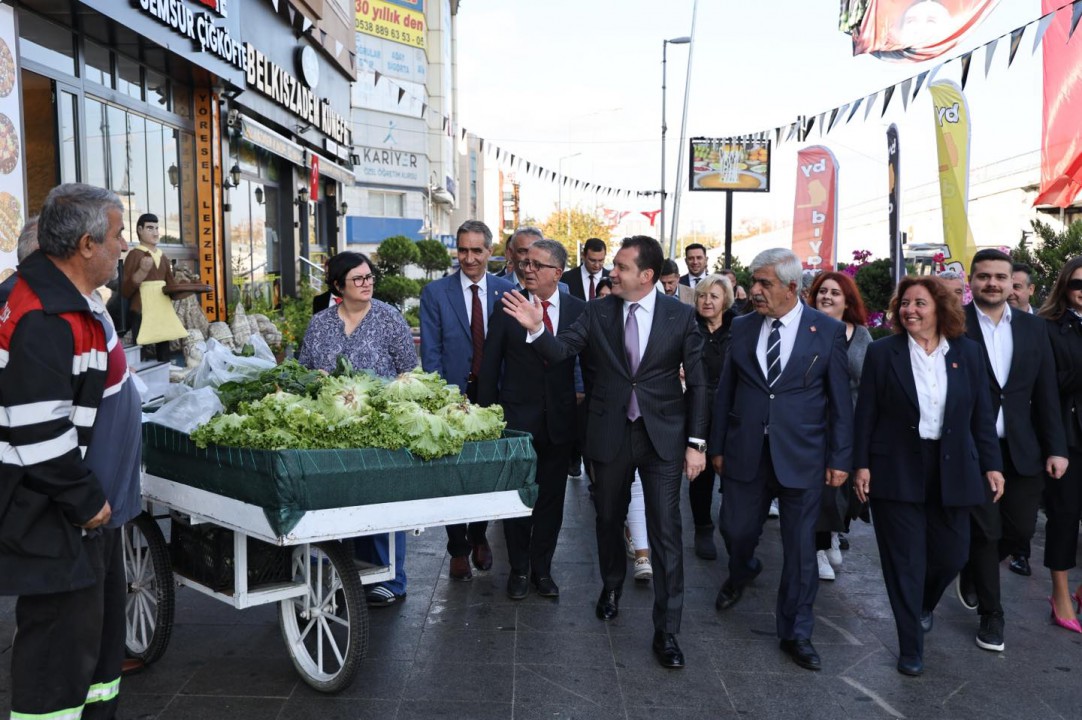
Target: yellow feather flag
(952, 143)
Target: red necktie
(592, 291)
(545, 305)
(477, 332)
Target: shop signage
(208, 202)
(267, 139)
(267, 77)
(313, 179)
(197, 25)
(400, 21)
(388, 166)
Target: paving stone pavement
(465, 651)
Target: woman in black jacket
(1063, 497)
(713, 302)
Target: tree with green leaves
(395, 253)
(1047, 257)
(743, 273)
(583, 225)
(395, 289)
(433, 257)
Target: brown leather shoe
(482, 557)
(460, 568)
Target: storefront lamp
(259, 195)
(234, 174)
(302, 195)
(174, 175)
(343, 209)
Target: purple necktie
(631, 347)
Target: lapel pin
(812, 328)
(954, 365)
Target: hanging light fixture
(302, 195)
(234, 175)
(174, 175)
(259, 195)
(343, 209)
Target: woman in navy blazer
(921, 488)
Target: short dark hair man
(670, 283)
(582, 281)
(70, 476)
(695, 257)
(1022, 288)
(635, 342)
(1022, 374)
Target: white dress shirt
(999, 344)
(693, 280)
(467, 294)
(790, 323)
(930, 377)
(586, 281)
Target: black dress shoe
(728, 596)
(608, 605)
(1020, 566)
(482, 556)
(667, 650)
(546, 587)
(926, 620)
(755, 565)
(913, 667)
(802, 652)
(517, 587)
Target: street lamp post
(684, 40)
(560, 190)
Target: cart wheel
(148, 613)
(326, 630)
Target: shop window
(129, 78)
(182, 99)
(69, 149)
(45, 43)
(98, 64)
(385, 204)
(157, 88)
(40, 136)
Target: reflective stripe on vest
(69, 714)
(103, 692)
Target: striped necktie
(773, 354)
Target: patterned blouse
(381, 343)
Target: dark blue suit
(779, 441)
(921, 492)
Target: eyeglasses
(534, 265)
(1074, 284)
(362, 280)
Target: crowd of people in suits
(946, 435)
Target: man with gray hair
(69, 476)
(28, 243)
(782, 427)
(518, 246)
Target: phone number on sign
(405, 37)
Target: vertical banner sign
(208, 202)
(313, 179)
(12, 187)
(815, 212)
(912, 30)
(1061, 143)
(952, 142)
(894, 204)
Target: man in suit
(695, 257)
(518, 246)
(1022, 288)
(635, 342)
(782, 424)
(538, 398)
(1025, 401)
(582, 281)
(455, 311)
(670, 284)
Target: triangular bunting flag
(777, 136)
(1076, 15)
(481, 144)
(967, 59)
(836, 115)
(989, 53)
(822, 116)
(462, 134)
(527, 167)
(401, 94)
(322, 36)
(792, 132)
(907, 84)
(306, 25)
(292, 14)
(378, 75)
(424, 107)
(887, 95)
(808, 125)
(338, 48)
(275, 4)
(1016, 40)
(853, 110)
(919, 83)
(445, 124)
(497, 152)
(869, 104)
(1042, 28)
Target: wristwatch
(700, 446)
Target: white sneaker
(825, 571)
(834, 554)
(773, 511)
(643, 571)
(629, 546)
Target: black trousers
(531, 540)
(922, 546)
(69, 646)
(1063, 506)
(661, 493)
(1018, 509)
(701, 496)
(742, 515)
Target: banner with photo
(741, 164)
(894, 203)
(815, 210)
(12, 189)
(911, 30)
(1061, 143)
(952, 143)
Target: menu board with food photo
(741, 164)
(11, 174)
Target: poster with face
(12, 187)
(912, 30)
